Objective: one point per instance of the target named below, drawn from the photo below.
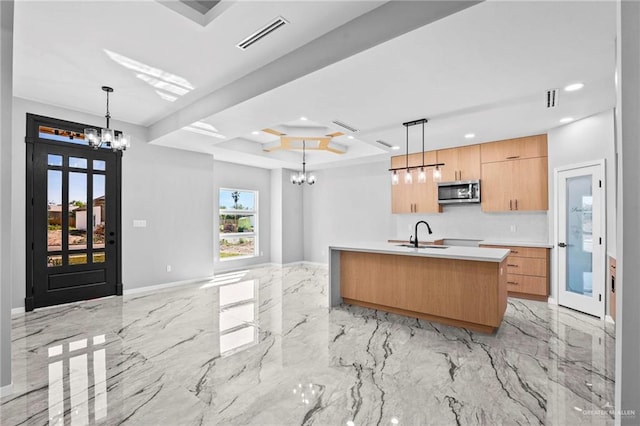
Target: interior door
(73, 216)
(580, 239)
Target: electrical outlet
(513, 228)
(261, 253)
(168, 268)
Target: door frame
(603, 226)
(33, 121)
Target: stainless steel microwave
(462, 191)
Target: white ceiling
(483, 70)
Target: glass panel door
(580, 239)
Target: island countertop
(481, 254)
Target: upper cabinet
(416, 197)
(515, 174)
(462, 163)
(514, 149)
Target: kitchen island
(460, 286)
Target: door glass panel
(54, 210)
(55, 260)
(98, 257)
(54, 160)
(77, 258)
(579, 235)
(78, 163)
(61, 135)
(78, 211)
(98, 210)
(99, 165)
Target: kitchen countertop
(516, 243)
(451, 252)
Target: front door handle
(112, 241)
(562, 245)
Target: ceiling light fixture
(115, 140)
(301, 177)
(395, 147)
(255, 132)
(470, 135)
(566, 120)
(408, 176)
(573, 87)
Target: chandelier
(422, 175)
(115, 140)
(301, 177)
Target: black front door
(73, 215)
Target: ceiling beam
(384, 23)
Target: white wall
(628, 251)
(347, 204)
(235, 176)
(585, 140)
(171, 189)
(287, 231)
(6, 227)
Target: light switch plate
(139, 223)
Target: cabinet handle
(510, 205)
(511, 264)
(515, 251)
(512, 282)
(516, 204)
(513, 157)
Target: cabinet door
(513, 149)
(401, 194)
(530, 184)
(425, 195)
(496, 188)
(450, 159)
(469, 162)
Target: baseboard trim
(552, 301)
(17, 311)
(163, 286)
(6, 390)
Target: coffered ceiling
(467, 67)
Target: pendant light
(117, 141)
(422, 174)
(301, 177)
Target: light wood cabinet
(416, 197)
(515, 185)
(527, 271)
(462, 163)
(513, 149)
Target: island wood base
(465, 293)
(447, 321)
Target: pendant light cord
(406, 156)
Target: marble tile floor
(261, 347)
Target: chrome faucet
(415, 242)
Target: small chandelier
(301, 177)
(117, 141)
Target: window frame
(256, 226)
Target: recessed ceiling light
(255, 132)
(395, 147)
(350, 137)
(573, 87)
(470, 135)
(303, 118)
(566, 120)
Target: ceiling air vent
(344, 125)
(388, 145)
(262, 32)
(552, 98)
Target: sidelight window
(238, 224)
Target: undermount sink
(423, 246)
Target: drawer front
(537, 252)
(527, 266)
(527, 284)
